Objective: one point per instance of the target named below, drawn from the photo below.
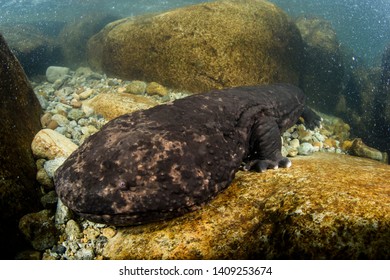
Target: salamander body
(165, 161)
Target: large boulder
(326, 206)
(197, 48)
(19, 122)
(323, 71)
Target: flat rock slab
(111, 106)
(326, 206)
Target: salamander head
(290, 106)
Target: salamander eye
(121, 184)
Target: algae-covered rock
(197, 48)
(39, 229)
(136, 87)
(156, 89)
(19, 121)
(326, 206)
(358, 148)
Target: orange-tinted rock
(200, 47)
(111, 106)
(326, 206)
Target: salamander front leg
(261, 165)
(265, 147)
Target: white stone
(42, 101)
(305, 149)
(60, 119)
(85, 254)
(88, 111)
(319, 137)
(54, 73)
(63, 213)
(72, 124)
(51, 166)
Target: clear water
(362, 25)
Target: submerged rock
(39, 229)
(201, 47)
(360, 149)
(54, 73)
(136, 87)
(326, 206)
(111, 106)
(156, 89)
(50, 144)
(323, 70)
(19, 121)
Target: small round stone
(72, 230)
(156, 89)
(60, 119)
(85, 254)
(76, 103)
(44, 179)
(91, 233)
(86, 94)
(75, 114)
(108, 232)
(136, 87)
(294, 143)
(46, 119)
(49, 200)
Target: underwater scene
(183, 129)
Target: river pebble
(305, 149)
(51, 166)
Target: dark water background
(363, 26)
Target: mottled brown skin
(160, 163)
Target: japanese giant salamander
(168, 160)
